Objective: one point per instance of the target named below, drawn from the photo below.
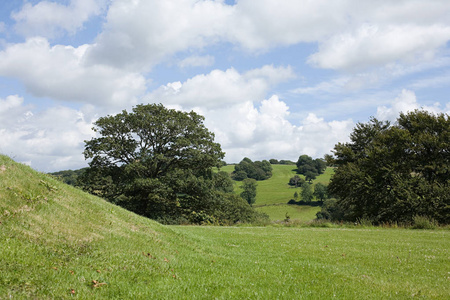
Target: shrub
(422, 222)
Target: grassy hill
(273, 194)
(58, 242)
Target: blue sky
(274, 79)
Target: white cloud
(264, 132)
(139, 34)
(59, 72)
(197, 61)
(221, 88)
(404, 103)
(372, 45)
(351, 35)
(49, 140)
(229, 101)
(50, 19)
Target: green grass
(276, 189)
(296, 212)
(58, 242)
(273, 194)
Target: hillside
(274, 193)
(58, 242)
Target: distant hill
(274, 193)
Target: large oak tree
(392, 173)
(157, 162)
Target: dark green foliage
(158, 163)
(307, 193)
(286, 162)
(296, 181)
(223, 182)
(296, 195)
(249, 194)
(274, 161)
(310, 176)
(69, 176)
(309, 167)
(320, 191)
(330, 210)
(394, 173)
(258, 170)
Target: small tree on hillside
(307, 193)
(249, 194)
(296, 181)
(320, 191)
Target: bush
(421, 222)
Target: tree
(392, 173)
(249, 194)
(259, 170)
(156, 162)
(310, 176)
(309, 167)
(320, 191)
(296, 181)
(307, 193)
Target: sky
(273, 78)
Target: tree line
(160, 163)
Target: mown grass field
(58, 242)
(273, 194)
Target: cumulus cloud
(139, 34)
(244, 123)
(351, 35)
(265, 132)
(404, 103)
(372, 45)
(51, 19)
(59, 72)
(221, 88)
(49, 140)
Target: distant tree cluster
(258, 170)
(274, 161)
(159, 163)
(393, 173)
(310, 168)
(69, 176)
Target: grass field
(273, 194)
(295, 212)
(58, 242)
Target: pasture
(59, 242)
(274, 193)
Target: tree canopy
(258, 170)
(392, 173)
(158, 163)
(249, 190)
(309, 167)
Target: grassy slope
(274, 193)
(55, 239)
